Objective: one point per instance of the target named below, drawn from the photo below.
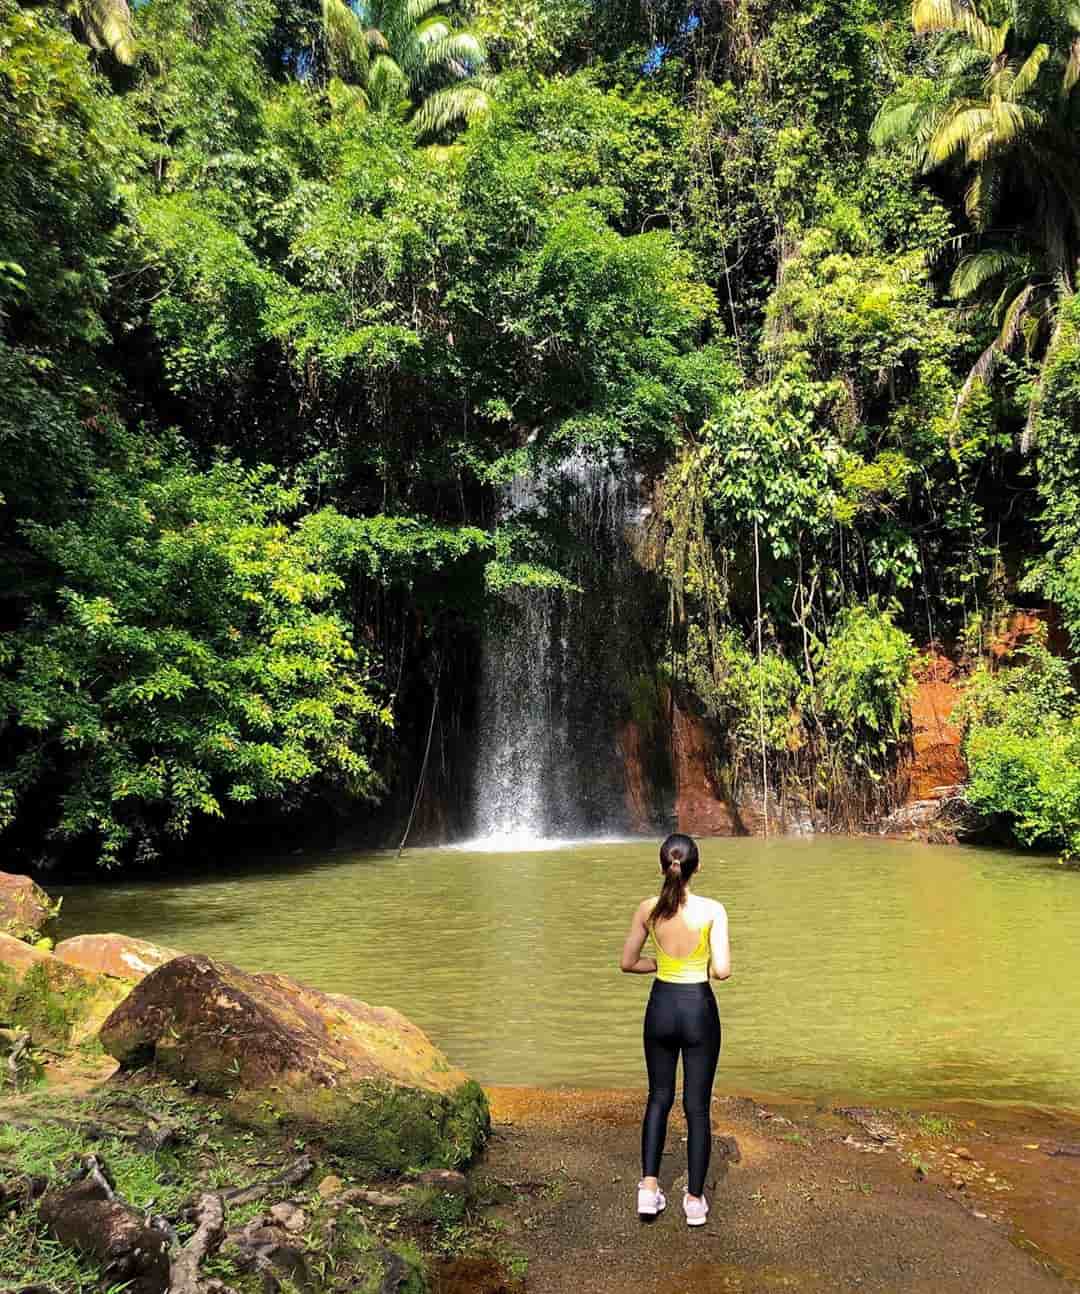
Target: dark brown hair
(678, 862)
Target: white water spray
(554, 671)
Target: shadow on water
(221, 895)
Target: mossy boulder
(363, 1078)
(25, 908)
(112, 954)
(56, 1003)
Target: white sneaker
(650, 1202)
(697, 1211)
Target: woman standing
(690, 937)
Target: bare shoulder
(645, 907)
(719, 912)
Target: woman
(690, 937)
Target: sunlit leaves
(197, 653)
(107, 24)
(1022, 744)
(953, 16)
(406, 55)
(864, 678)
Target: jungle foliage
(289, 289)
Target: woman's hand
(631, 960)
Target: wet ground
(964, 1199)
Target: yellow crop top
(691, 969)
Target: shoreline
(234, 862)
(811, 1102)
(957, 1175)
(950, 1197)
(810, 1192)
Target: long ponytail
(678, 862)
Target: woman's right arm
(719, 949)
(631, 960)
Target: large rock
(363, 1078)
(54, 1002)
(25, 908)
(111, 954)
(17, 958)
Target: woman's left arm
(719, 949)
(631, 960)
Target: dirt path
(962, 1202)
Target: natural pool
(861, 967)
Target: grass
(28, 1256)
(935, 1125)
(211, 1153)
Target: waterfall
(557, 667)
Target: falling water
(557, 667)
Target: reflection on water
(860, 966)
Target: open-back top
(691, 969)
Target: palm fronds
(990, 114)
(956, 16)
(107, 26)
(977, 269)
(466, 102)
(1025, 79)
(408, 52)
(347, 43)
(1017, 316)
(459, 53)
(981, 372)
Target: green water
(861, 967)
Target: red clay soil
(1021, 626)
(630, 745)
(936, 759)
(698, 808)
(818, 1203)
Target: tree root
(20, 1045)
(89, 1215)
(271, 1253)
(209, 1233)
(291, 1176)
(380, 1199)
(17, 1192)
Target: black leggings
(680, 1017)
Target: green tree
(1021, 729)
(1000, 106)
(191, 658)
(408, 53)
